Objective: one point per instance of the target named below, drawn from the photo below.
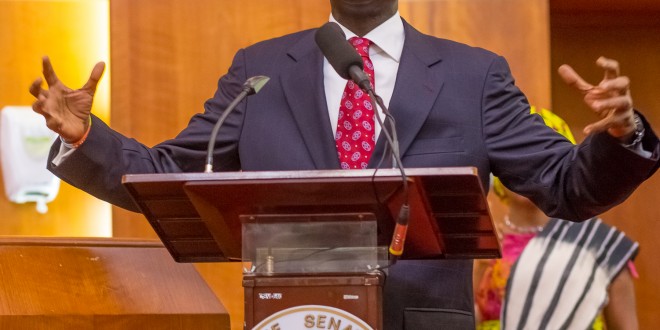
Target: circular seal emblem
(312, 317)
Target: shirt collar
(387, 37)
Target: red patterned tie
(355, 137)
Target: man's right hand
(66, 110)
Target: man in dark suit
(454, 106)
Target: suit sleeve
(574, 182)
(98, 165)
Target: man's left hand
(610, 99)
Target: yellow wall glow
(75, 35)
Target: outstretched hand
(66, 110)
(610, 99)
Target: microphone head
(253, 84)
(340, 54)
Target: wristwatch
(638, 134)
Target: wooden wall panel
(75, 39)
(605, 5)
(632, 39)
(515, 29)
(168, 54)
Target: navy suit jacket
(454, 105)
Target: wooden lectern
(202, 217)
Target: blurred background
(164, 58)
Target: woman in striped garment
(555, 274)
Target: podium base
(325, 301)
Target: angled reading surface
(198, 215)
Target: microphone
(331, 39)
(340, 54)
(348, 63)
(251, 86)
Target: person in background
(454, 105)
(555, 274)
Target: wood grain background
(166, 56)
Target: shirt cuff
(66, 149)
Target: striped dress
(567, 270)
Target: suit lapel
(302, 79)
(416, 89)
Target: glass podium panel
(311, 244)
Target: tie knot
(361, 45)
